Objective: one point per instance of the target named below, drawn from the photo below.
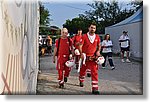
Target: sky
(61, 10)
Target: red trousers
(63, 70)
(88, 71)
(94, 73)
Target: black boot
(65, 79)
(61, 85)
(81, 84)
(95, 92)
(77, 66)
(88, 75)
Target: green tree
(107, 13)
(44, 19)
(104, 14)
(75, 24)
(136, 4)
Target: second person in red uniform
(76, 42)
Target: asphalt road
(126, 79)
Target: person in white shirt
(124, 42)
(107, 51)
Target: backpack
(59, 45)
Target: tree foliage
(44, 15)
(136, 4)
(103, 13)
(77, 23)
(44, 19)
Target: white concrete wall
(135, 32)
(19, 46)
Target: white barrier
(19, 21)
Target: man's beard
(92, 32)
(64, 36)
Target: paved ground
(125, 79)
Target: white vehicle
(40, 40)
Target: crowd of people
(88, 47)
(45, 45)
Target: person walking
(76, 42)
(90, 45)
(49, 44)
(63, 49)
(107, 51)
(124, 42)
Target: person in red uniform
(90, 45)
(60, 50)
(76, 42)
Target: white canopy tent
(134, 26)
